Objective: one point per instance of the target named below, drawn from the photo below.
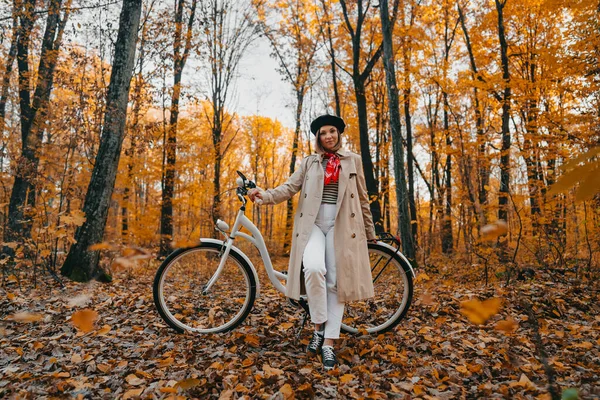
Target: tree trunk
(394, 111)
(447, 236)
(33, 113)
(82, 264)
(359, 79)
(180, 51)
(10, 60)
(331, 49)
(289, 216)
(483, 174)
(506, 139)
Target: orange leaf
(270, 371)
(252, 340)
(346, 378)
(508, 326)
(105, 329)
(188, 383)
(287, 391)
(479, 312)
(84, 319)
(286, 325)
(132, 393)
(101, 246)
(133, 379)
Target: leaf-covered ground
(436, 352)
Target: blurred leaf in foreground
(478, 312)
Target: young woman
(329, 256)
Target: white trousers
(320, 274)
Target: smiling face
(329, 137)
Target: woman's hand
(255, 195)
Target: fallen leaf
(270, 371)
(133, 379)
(346, 378)
(286, 325)
(84, 319)
(287, 391)
(508, 325)
(132, 393)
(104, 330)
(188, 383)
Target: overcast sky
(261, 89)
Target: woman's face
(329, 137)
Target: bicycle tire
(400, 272)
(165, 305)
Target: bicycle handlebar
(243, 185)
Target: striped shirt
(330, 191)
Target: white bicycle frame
(256, 238)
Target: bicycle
(211, 287)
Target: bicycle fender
(400, 255)
(244, 256)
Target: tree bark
(506, 138)
(404, 217)
(33, 112)
(483, 169)
(10, 60)
(81, 263)
(181, 50)
(359, 79)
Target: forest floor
(435, 353)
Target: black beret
(327, 120)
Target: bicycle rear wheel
(180, 281)
(392, 281)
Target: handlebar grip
(258, 201)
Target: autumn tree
(295, 40)
(82, 263)
(182, 44)
(398, 148)
(363, 59)
(229, 30)
(33, 109)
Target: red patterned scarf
(332, 170)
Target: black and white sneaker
(316, 342)
(329, 359)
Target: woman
(333, 268)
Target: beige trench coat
(353, 223)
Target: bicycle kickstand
(304, 304)
(299, 333)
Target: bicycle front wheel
(182, 277)
(392, 281)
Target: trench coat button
(352, 195)
(304, 195)
(297, 234)
(352, 215)
(300, 214)
(353, 235)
